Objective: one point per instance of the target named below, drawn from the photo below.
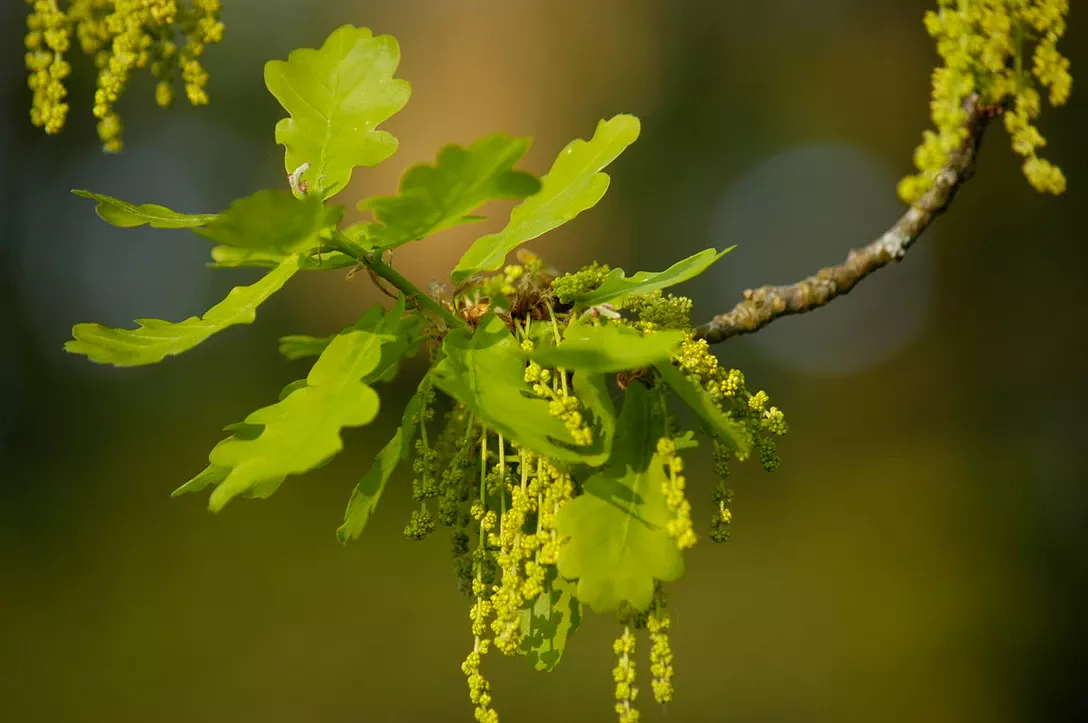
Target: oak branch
(761, 306)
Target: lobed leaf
(126, 215)
(209, 477)
(549, 621)
(229, 257)
(617, 542)
(272, 222)
(574, 184)
(608, 348)
(731, 432)
(325, 260)
(434, 198)
(364, 498)
(408, 328)
(302, 430)
(336, 96)
(155, 339)
(212, 475)
(616, 286)
(485, 372)
(300, 346)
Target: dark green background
(920, 556)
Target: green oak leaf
(549, 620)
(407, 327)
(230, 257)
(324, 260)
(300, 346)
(336, 96)
(400, 336)
(126, 215)
(155, 339)
(288, 389)
(617, 286)
(685, 441)
(730, 431)
(364, 498)
(302, 431)
(356, 232)
(617, 542)
(434, 198)
(272, 222)
(210, 477)
(213, 475)
(592, 390)
(485, 372)
(608, 348)
(574, 184)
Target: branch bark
(760, 307)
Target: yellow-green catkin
(679, 527)
(762, 423)
(564, 406)
(570, 286)
(657, 623)
(624, 676)
(510, 565)
(657, 310)
(985, 47)
(722, 516)
(478, 686)
(556, 488)
(47, 39)
(122, 36)
(509, 595)
(726, 388)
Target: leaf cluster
(533, 375)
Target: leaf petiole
(374, 262)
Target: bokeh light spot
(805, 209)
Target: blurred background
(921, 555)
